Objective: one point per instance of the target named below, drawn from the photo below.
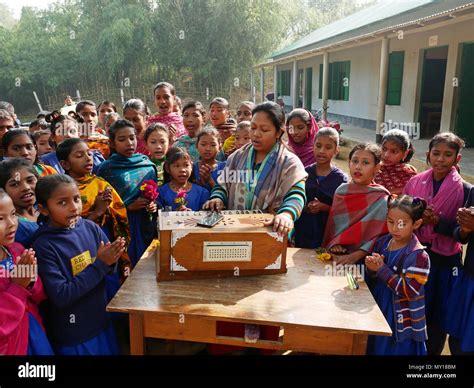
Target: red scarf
(395, 176)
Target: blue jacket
(51, 159)
(73, 280)
(406, 279)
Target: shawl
(169, 119)
(127, 174)
(116, 216)
(395, 176)
(266, 187)
(357, 217)
(305, 151)
(229, 143)
(100, 145)
(189, 143)
(44, 170)
(445, 203)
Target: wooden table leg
(137, 345)
(359, 344)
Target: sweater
(406, 279)
(74, 281)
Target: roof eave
(448, 14)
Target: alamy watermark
(412, 129)
(236, 176)
(20, 271)
(33, 371)
(340, 270)
(85, 130)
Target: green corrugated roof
(371, 19)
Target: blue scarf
(127, 174)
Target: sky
(16, 5)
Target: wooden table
(316, 312)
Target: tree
(305, 16)
(93, 45)
(216, 40)
(7, 19)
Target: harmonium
(207, 244)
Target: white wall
(363, 82)
(413, 44)
(364, 76)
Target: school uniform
(51, 159)
(309, 228)
(445, 196)
(195, 198)
(398, 289)
(74, 280)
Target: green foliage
(94, 44)
(6, 16)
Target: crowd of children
(79, 195)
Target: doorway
(432, 90)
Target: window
(284, 83)
(395, 77)
(338, 80)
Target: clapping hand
(465, 219)
(430, 217)
(205, 174)
(25, 276)
(374, 262)
(109, 253)
(314, 206)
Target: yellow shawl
(116, 216)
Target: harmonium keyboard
(206, 244)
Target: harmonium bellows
(238, 245)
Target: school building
(407, 64)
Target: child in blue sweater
(400, 268)
(74, 258)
